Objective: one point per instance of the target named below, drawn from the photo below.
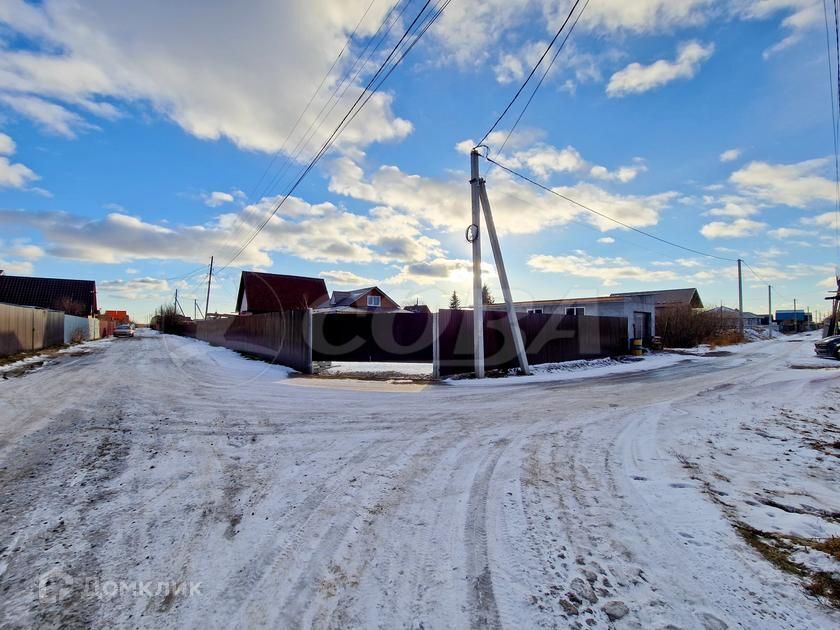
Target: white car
(124, 330)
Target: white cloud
(7, 145)
(440, 270)
(734, 207)
(606, 240)
(802, 15)
(608, 270)
(347, 278)
(216, 199)
(135, 288)
(543, 160)
(12, 175)
(738, 228)
(827, 219)
(730, 155)
(51, 117)
(787, 232)
(94, 56)
(636, 78)
(795, 185)
(622, 174)
(316, 232)
(639, 16)
(16, 267)
(517, 208)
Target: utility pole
(178, 305)
(196, 306)
(209, 280)
(478, 306)
(795, 317)
(769, 312)
(740, 301)
(515, 331)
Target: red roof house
(271, 292)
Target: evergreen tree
(486, 297)
(454, 302)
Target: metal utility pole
(740, 301)
(474, 234)
(769, 312)
(515, 332)
(209, 280)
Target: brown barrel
(637, 347)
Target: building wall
(387, 303)
(624, 308)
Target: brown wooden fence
(548, 338)
(27, 329)
(281, 338)
(391, 337)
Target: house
(271, 292)
(74, 297)
(638, 308)
(418, 308)
(119, 317)
(366, 300)
(670, 297)
(793, 320)
(730, 316)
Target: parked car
(828, 347)
(124, 330)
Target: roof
(417, 308)
(272, 292)
(346, 298)
(349, 298)
(668, 297)
(76, 297)
(589, 300)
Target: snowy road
(294, 503)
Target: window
(575, 310)
(535, 311)
(374, 300)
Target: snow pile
(22, 363)
(572, 370)
(374, 369)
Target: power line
(314, 94)
(530, 74)
(544, 75)
(239, 219)
(335, 97)
(605, 216)
(352, 112)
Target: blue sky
(136, 142)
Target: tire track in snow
(480, 597)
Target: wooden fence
(389, 337)
(281, 338)
(27, 329)
(548, 338)
(297, 338)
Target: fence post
(308, 339)
(436, 345)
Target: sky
(137, 140)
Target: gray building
(638, 309)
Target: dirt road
(158, 482)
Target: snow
(605, 495)
(374, 368)
(575, 370)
